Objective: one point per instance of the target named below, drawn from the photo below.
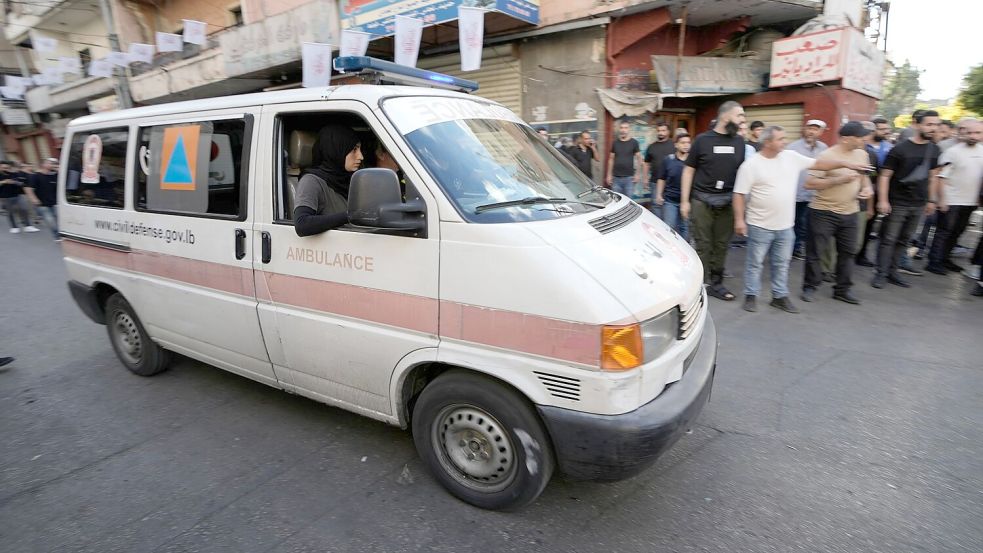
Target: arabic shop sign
(699, 74)
(828, 56)
(378, 16)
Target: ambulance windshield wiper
(530, 201)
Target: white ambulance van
(519, 319)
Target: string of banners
(316, 56)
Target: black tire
(130, 341)
(499, 457)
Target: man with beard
(583, 153)
(625, 152)
(910, 171)
(962, 173)
(657, 152)
(709, 176)
(881, 146)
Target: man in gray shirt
(810, 146)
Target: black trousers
(949, 226)
(828, 230)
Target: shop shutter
(499, 78)
(789, 116)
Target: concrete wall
(143, 20)
(560, 73)
(257, 10)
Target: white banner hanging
(121, 59)
(169, 42)
(17, 83)
(354, 43)
(70, 65)
(44, 44)
(11, 93)
(140, 52)
(195, 31)
(101, 68)
(38, 79)
(471, 33)
(52, 75)
(316, 63)
(407, 44)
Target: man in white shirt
(764, 211)
(961, 175)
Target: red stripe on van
(569, 341)
(509, 330)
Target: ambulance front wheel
(482, 441)
(130, 341)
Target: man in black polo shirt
(711, 169)
(910, 172)
(657, 152)
(583, 153)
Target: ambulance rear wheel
(130, 341)
(482, 441)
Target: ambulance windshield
(491, 165)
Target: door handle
(240, 243)
(267, 247)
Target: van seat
(300, 148)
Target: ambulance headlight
(659, 333)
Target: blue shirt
(881, 151)
(800, 146)
(671, 171)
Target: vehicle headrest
(300, 148)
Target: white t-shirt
(771, 185)
(963, 174)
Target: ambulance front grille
(689, 315)
(563, 387)
(618, 219)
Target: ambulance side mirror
(375, 200)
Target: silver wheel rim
(129, 343)
(474, 448)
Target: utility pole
(122, 84)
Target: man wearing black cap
(833, 213)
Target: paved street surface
(840, 429)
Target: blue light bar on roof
(401, 74)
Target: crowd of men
(808, 200)
(29, 196)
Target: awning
(629, 102)
(378, 17)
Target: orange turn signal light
(621, 347)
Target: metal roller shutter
(789, 116)
(499, 78)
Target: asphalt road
(839, 429)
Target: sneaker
(960, 251)
(784, 305)
(911, 271)
(15, 230)
(846, 297)
(864, 262)
(978, 289)
(972, 273)
(954, 267)
(808, 294)
(898, 281)
(877, 281)
(31, 228)
(750, 304)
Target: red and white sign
(471, 33)
(409, 31)
(91, 156)
(316, 64)
(828, 56)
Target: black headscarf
(333, 144)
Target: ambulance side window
(192, 168)
(96, 172)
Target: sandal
(720, 292)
